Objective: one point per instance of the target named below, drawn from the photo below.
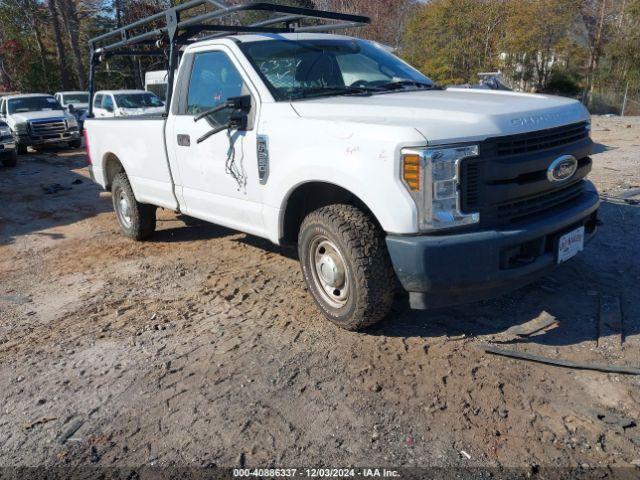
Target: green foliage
(564, 83)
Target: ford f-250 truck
(380, 177)
(37, 120)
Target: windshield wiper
(329, 91)
(400, 85)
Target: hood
(79, 106)
(450, 116)
(143, 110)
(28, 116)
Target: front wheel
(137, 220)
(77, 143)
(22, 149)
(346, 266)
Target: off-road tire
(142, 216)
(21, 149)
(361, 244)
(75, 143)
(10, 160)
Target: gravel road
(202, 347)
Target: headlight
(21, 128)
(5, 132)
(432, 177)
(72, 122)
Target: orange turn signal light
(411, 171)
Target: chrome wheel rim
(124, 209)
(329, 271)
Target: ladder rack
(186, 23)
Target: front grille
(516, 210)
(508, 180)
(542, 140)
(470, 173)
(47, 128)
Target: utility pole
(624, 102)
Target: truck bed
(137, 143)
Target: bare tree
(594, 15)
(72, 28)
(60, 47)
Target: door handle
(184, 140)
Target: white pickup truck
(37, 120)
(383, 180)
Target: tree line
(588, 49)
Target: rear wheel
(10, 160)
(346, 266)
(137, 220)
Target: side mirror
(238, 118)
(109, 108)
(71, 108)
(242, 103)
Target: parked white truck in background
(125, 103)
(381, 178)
(156, 82)
(37, 120)
(76, 103)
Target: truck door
(218, 176)
(98, 111)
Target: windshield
(72, 98)
(311, 68)
(137, 100)
(32, 104)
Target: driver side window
(214, 79)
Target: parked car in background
(125, 103)
(76, 103)
(38, 119)
(8, 155)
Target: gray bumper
(31, 140)
(443, 270)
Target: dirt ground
(201, 347)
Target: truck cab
(385, 181)
(38, 120)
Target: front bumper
(444, 270)
(33, 140)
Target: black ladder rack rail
(149, 36)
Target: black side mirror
(109, 108)
(241, 103)
(238, 119)
(71, 108)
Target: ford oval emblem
(562, 169)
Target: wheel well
(112, 167)
(311, 196)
